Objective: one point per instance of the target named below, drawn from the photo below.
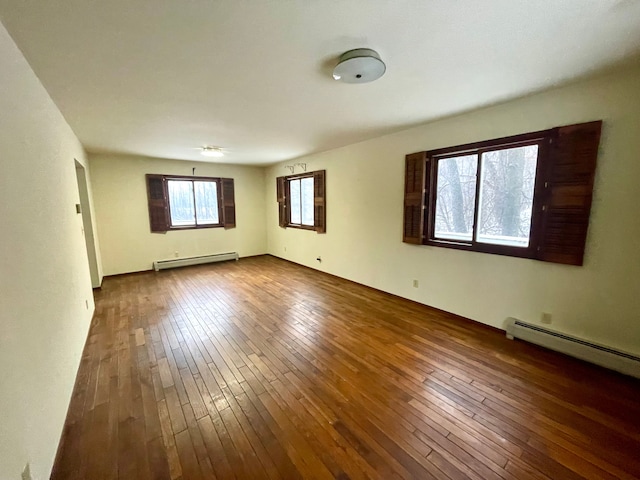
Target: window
(526, 196)
(486, 196)
(193, 203)
(301, 201)
(180, 203)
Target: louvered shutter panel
(319, 201)
(282, 201)
(414, 191)
(228, 203)
(568, 192)
(157, 200)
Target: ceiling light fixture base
(209, 151)
(361, 65)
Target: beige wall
(44, 272)
(120, 195)
(599, 301)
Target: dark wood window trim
(561, 201)
(319, 201)
(160, 208)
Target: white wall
(44, 272)
(599, 301)
(120, 195)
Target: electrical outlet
(546, 317)
(416, 284)
(175, 254)
(285, 249)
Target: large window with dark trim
(528, 195)
(301, 201)
(193, 203)
(181, 202)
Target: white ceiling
(161, 77)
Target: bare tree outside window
(455, 201)
(507, 178)
(506, 196)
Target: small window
(525, 196)
(301, 200)
(301, 195)
(177, 203)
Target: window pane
(307, 201)
(207, 203)
(294, 193)
(506, 196)
(455, 201)
(181, 202)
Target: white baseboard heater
(183, 262)
(591, 352)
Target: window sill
(301, 227)
(519, 252)
(194, 227)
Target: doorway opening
(87, 223)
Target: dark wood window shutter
(414, 191)
(282, 201)
(568, 184)
(157, 199)
(319, 202)
(228, 203)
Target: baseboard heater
(607, 357)
(183, 262)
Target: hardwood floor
(264, 369)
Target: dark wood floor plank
(173, 461)
(188, 459)
(264, 369)
(214, 447)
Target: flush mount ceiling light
(208, 151)
(361, 65)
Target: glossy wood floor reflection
(264, 369)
